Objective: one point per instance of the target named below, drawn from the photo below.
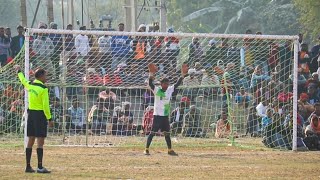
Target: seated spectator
(313, 131)
(147, 120)
(176, 117)
(76, 118)
(93, 78)
(253, 122)
(210, 79)
(192, 123)
(305, 108)
(242, 98)
(313, 93)
(99, 116)
(109, 98)
(114, 120)
(301, 81)
(125, 122)
(56, 113)
(284, 95)
(262, 108)
(223, 127)
(315, 113)
(190, 82)
(266, 120)
(313, 79)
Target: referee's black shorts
(160, 123)
(37, 123)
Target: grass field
(198, 159)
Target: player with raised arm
(162, 97)
(38, 115)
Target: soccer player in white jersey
(162, 97)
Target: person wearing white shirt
(104, 44)
(261, 109)
(82, 43)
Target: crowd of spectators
(255, 75)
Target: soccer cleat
(29, 170)
(146, 152)
(172, 153)
(43, 170)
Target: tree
(309, 12)
(234, 16)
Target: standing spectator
(210, 79)
(125, 122)
(315, 55)
(300, 41)
(233, 55)
(17, 41)
(195, 51)
(4, 47)
(105, 44)
(222, 51)
(301, 81)
(76, 117)
(304, 60)
(257, 78)
(172, 50)
(120, 48)
(253, 122)
(57, 43)
(69, 40)
(140, 48)
(82, 43)
(211, 54)
(43, 48)
(286, 55)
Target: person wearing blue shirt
(120, 47)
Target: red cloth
(95, 80)
(147, 121)
(284, 97)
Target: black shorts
(37, 124)
(162, 123)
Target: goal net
(240, 89)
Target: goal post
(240, 89)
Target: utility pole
(133, 15)
(163, 16)
(70, 12)
(23, 12)
(127, 6)
(50, 11)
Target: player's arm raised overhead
(184, 71)
(22, 79)
(152, 70)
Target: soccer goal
(240, 89)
